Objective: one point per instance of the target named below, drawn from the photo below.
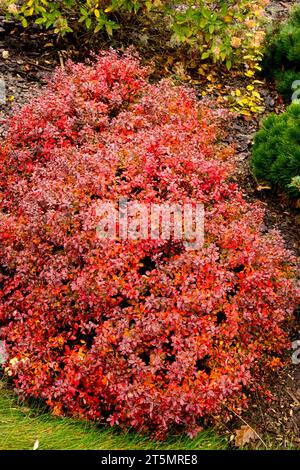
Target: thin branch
(247, 424)
(61, 60)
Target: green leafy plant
(282, 58)
(70, 15)
(295, 183)
(276, 151)
(222, 31)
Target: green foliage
(71, 15)
(282, 59)
(295, 183)
(221, 31)
(224, 31)
(276, 151)
(285, 80)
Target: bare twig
(290, 393)
(61, 60)
(247, 424)
(40, 66)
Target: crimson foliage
(142, 333)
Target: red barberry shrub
(136, 332)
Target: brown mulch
(32, 57)
(276, 421)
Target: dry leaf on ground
(244, 435)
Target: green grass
(21, 426)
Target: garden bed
(32, 58)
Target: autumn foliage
(142, 333)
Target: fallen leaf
(36, 445)
(180, 71)
(244, 435)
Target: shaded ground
(32, 58)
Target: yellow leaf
(261, 188)
(97, 13)
(228, 19)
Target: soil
(32, 57)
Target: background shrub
(276, 151)
(282, 59)
(139, 333)
(226, 31)
(229, 32)
(72, 16)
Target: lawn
(21, 426)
